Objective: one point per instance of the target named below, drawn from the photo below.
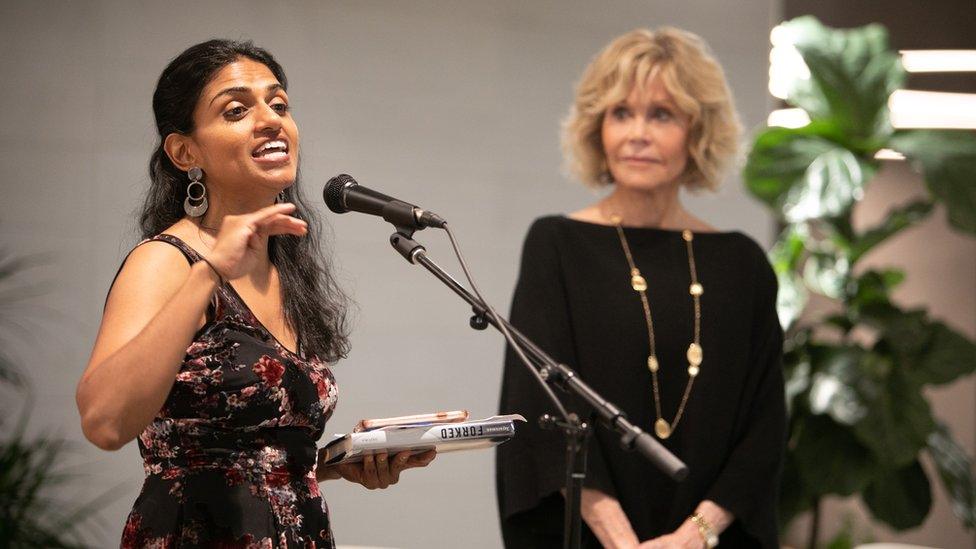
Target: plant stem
(814, 525)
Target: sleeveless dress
(230, 458)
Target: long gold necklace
(662, 428)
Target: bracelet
(705, 529)
(214, 269)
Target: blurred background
(454, 106)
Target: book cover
(443, 437)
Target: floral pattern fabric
(230, 458)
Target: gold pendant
(652, 363)
(695, 354)
(662, 429)
(638, 283)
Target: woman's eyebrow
(244, 89)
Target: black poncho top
(574, 299)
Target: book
(441, 436)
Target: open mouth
(273, 150)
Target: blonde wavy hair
(691, 75)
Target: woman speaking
(217, 334)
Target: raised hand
(242, 238)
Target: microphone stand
(575, 431)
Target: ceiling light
(939, 60)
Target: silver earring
(280, 198)
(195, 206)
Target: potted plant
(859, 421)
(32, 473)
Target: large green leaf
(904, 331)
(899, 419)
(956, 471)
(778, 159)
(804, 175)
(831, 184)
(948, 162)
(930, 351)
(897, 220)
(827, 274)
(873, 288)
(829, 458)
(785, 256)
(947, 356)
(901, 498)
(844, 384)
(852, 73)
(796, 368)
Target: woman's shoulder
(739, 248)
(557, 230)
(158, 261)
(544, 228)
(746, 255)
(546, 222)
(154, 261)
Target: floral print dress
(230, 458)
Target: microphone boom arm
(631, 436)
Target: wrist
(219, 277)
(208, 273)
(705, 530)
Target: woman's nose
(268, 120)
(639, 129)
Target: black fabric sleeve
(748, 485)
(532, 465)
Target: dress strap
(189, 253)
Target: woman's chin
(280, 180)
(645, 184)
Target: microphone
(343, 194)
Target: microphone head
(334, 191)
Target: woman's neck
(659, 207)
(221, 206)
(224, 204)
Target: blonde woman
(667, 317)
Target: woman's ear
(181, 151)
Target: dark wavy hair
(315, 306)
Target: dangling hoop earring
(195, 206)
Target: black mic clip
(478, 320)
(404, 216)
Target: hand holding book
(441, 431)
(375, 470)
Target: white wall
(452, 105)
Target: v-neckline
(261, 324)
